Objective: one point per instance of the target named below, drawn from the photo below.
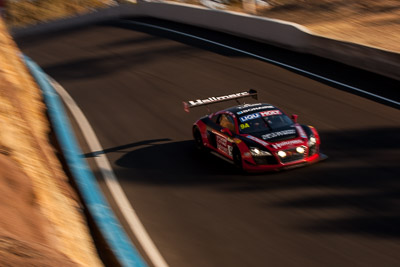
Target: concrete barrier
(383, 62)
(111, 13)
(276, 32)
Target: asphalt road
(130, 82)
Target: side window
(216, 118)
(226, 121)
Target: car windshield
(248, 125)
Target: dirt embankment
(368, 22)
(42, 223)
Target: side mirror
(226, 131)
(294, 117)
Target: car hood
(281, 134)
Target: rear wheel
(237, 158)
(198, 140)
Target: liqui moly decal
(270, 113)
(301, 131)
(253, 109)
(250, 117)
(287, 143)
(277, 134)
(218, 98)
(255, 139)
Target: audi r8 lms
(255, 137)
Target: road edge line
(112, 183)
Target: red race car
(255, 137)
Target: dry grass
(25, 12)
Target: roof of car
(248, 108)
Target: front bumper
(250, 167)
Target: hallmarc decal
(277, 134)
(218, 98)
(287, 143)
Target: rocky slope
(42, 223)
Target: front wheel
(237, 158)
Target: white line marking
(111, 180)
(268, 60)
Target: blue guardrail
(109, 227)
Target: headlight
(282, 154)
(312, 140)
(258, 152)
(300, 149)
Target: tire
(198, 140)
(237, 158)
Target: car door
(223, 137)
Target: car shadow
(360, 178)
(175, 163)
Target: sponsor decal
(249, 105)
(249, 117)
(277, 134)
(253, 109)
(287, 143)
(270, 113)
(237, 141)
(244, 126)
(222, 145)
(230, 151)
(301, 131)
(255, 139)
(218, 98)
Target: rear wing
(212, 100)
